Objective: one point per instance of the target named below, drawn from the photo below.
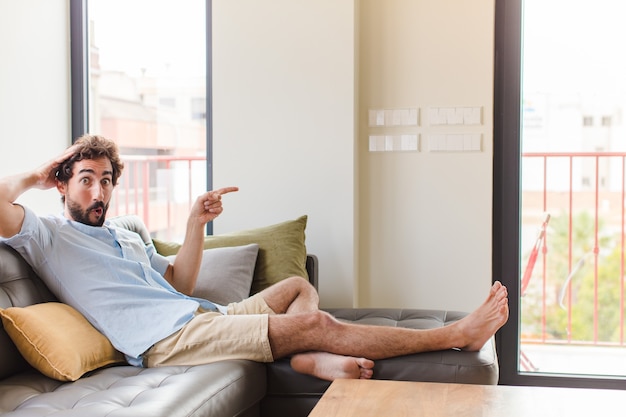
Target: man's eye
(84, 180)
(106, 181)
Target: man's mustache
(96, 205)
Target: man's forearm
(188, 259)
(14, 186)
(187, 264)
(12, 216)
(43, 178)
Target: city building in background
(147, 92)
(573, 168)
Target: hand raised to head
(44, 177)
(46, 173)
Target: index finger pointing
(225, 190)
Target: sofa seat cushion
(442, 366)
(292, 394)
(225, 388)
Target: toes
(366, 374)
(365, 363)
(366, 368)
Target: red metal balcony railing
(160, 189)
(576, 291)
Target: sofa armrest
(312, 265)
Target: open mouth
(98, 211)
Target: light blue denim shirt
(110, 276)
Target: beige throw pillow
(58, 341)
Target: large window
(559, 191)
(139, 77)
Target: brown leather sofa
(229, 388)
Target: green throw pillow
(282, 252)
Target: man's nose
(97, 192)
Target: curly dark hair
(92, 147)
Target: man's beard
(82, 216)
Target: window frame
(79, 53)
(506, 200)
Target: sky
(158, 35)
(574, 45)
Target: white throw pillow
(226, 273)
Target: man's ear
(62, 187)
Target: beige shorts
(211, 337)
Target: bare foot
(329, 366)
(484, 322)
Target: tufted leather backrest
(19, 287)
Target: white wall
(34, 89)
(425, 216)
(391, 229)
(284, 128)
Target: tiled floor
(578, 360)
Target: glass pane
(573, 188)
(147, 91)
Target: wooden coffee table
(362, 398)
